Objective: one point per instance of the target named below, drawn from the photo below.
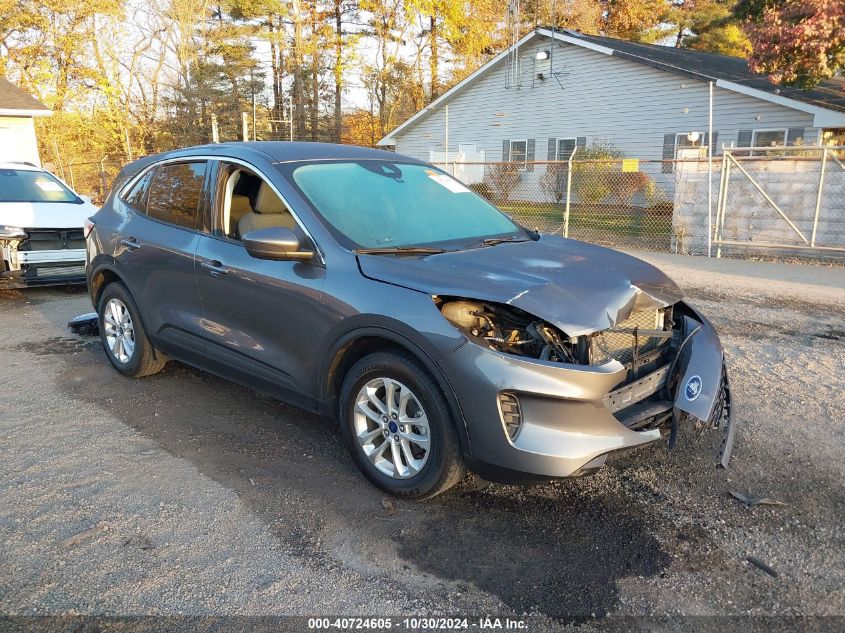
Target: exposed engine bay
(644, 338)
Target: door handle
(215, 268)
(131, 243)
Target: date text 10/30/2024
(417, 624)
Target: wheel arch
(102, 276)
(357, 344)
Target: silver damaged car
(377, 289)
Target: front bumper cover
(568, 426)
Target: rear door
(156, 253)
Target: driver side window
(247, 203)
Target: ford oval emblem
(693, 388)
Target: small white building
(17, 127)
(555, 90)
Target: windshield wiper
(492, 241)
(400, 250)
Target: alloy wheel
(392, 428)
(119, 331)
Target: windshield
(26, 185)
(380, 204)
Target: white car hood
(45, 215)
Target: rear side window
(175, 194)
(137, 196)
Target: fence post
(215, 133)
(72, 183)
(723, 199)
(819, 198)
(245, 126)
(568, 190)
(103, 185)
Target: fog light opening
(511, 414)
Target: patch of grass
(604, 221)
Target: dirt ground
(183, 494)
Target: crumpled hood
(578, 287)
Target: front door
(262, 319)
(165, 218)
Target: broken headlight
(11, 233)
(508, 329)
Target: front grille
(618, 342)
(722, 407)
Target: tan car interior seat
(269, 211)
(238, 208)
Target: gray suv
(379, 290)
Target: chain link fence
(752, 201)
(92, 178)
(615, 202)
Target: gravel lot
(184, 494)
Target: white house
(17, 127)
(555, 90)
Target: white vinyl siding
(17, 140)
(599, 97)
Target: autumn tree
(798, 42)
(631, 19)
(707, 25)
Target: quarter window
(137, 196)
(175, 194)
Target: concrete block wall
(749, 217)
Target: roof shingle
(13, 98)
(700, 65)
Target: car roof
(273, 151)
(20, 165)
(291, 151)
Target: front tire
(398, 427)
(123, 336)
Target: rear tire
(123, 336)
(398, 427)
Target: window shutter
(552, 149)
(793, 134)
(744, 138)
(581, 142)
(529, 155)
(668, 153)
(506, 151)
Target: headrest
(240, 205)
(267, 201)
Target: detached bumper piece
(723, 418)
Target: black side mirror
(275, 242)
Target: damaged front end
(583, 397)
(41, 257)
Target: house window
(565, 147)
(519, 152)
(769, 138)
(674, 143)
